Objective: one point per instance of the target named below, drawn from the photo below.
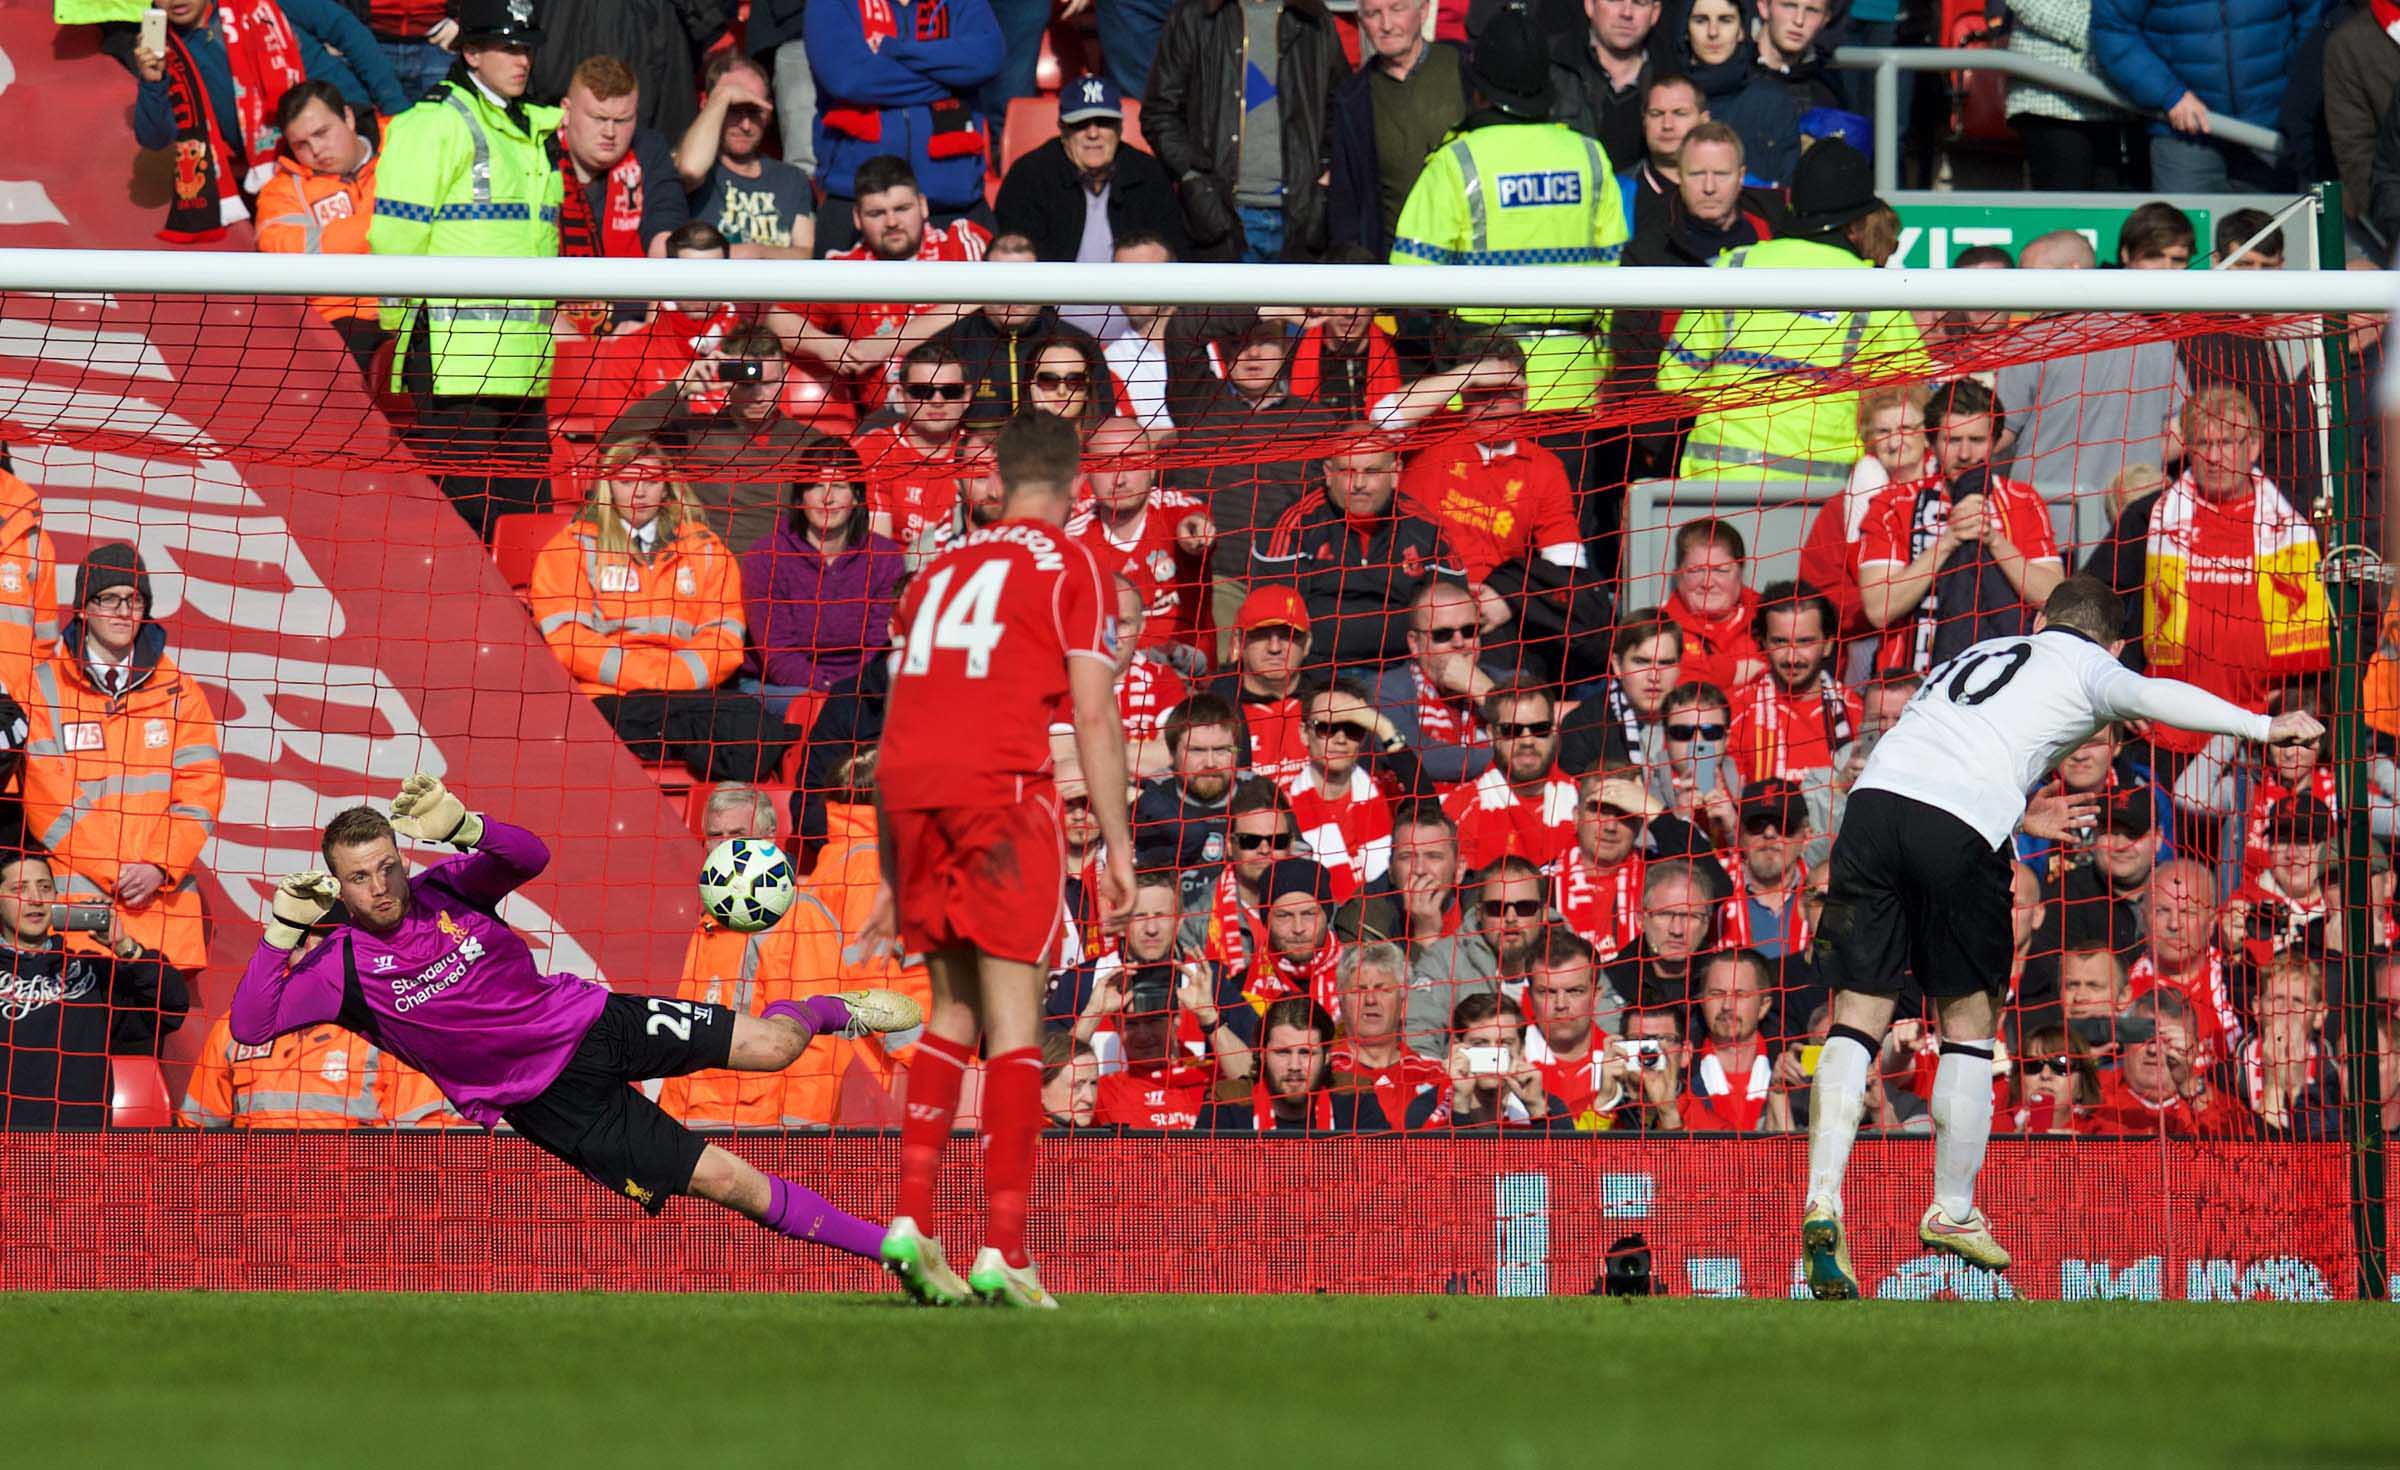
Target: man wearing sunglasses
(1524, 806)
(1765, 913)
(1695, 779)
(1508, 910)
(1599, 879)
(912, 461)
(1434, 699)
(993, 339)
(1229, 925)
(1342, 798)
(1359, 563)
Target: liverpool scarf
(617, 231)
(2285, 596)
(263, 53)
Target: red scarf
(1445, 719)
(1778, 733)
(617, 234)
(2206, 993)
(876, 23)
(2264, 798)
(1351, 837)
(1733, 929)
(1396, 1086)
(1712, 647)
(1274, 978)
(1602, 905)
(263, 53)
(1262, 1109)
(1381, 366)
(1232, 935)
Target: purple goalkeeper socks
(818, 1015)
(803, 1214)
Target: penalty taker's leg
(913, 1246)
(1835, 1102)
(1012, 1108)
(1962, 1127)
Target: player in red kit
(1001, 635)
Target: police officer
(464, 172)
(1811, 437)
(1514, 188)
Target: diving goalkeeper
(424, 968)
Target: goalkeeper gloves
(426, 811)
(301, 900)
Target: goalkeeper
(424, 968)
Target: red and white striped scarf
(1445, 719)
(2207, 993)
(1262, 1109)
(2265, 798)
(1351, 837)
(1602, 905)
(1772, 713)
(1733, 927)
(1233, 934)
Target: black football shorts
(591, 1114)
(1913, 891)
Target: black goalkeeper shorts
(592, 1116)
(1913, 891)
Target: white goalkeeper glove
(301, 900)
(426, 811)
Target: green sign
(1935, 227)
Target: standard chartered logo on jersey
(411, 991)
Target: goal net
(1495, 675)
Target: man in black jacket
(1237, 109)
(64, 1013)
(1074, 195)
(1602, 76)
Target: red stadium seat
(518, 539)
(137, 1094)
(1982, 96)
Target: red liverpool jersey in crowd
(1167, 579)
(964, 240)
(1494, 822)
(1602, 905)
(1153, 1095)
(986, 633)
(913, 489)
(1146, 695)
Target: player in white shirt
(1920, 885)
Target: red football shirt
(914, 489)
(1156, 1095)
(1496, 503)
(981, 674)
(2016, 508)
(1167, 579)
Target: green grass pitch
(186, 1381)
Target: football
(746, 883)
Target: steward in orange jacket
(28, 587)
(321, 198)
(123, 779)
(316, 1077)
(627, 620)
(800, 957)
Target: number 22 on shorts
(966, 623)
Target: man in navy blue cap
(1077, 194)
(1301, 952)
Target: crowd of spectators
(1446, 818)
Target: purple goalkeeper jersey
(452, 991)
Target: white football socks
(1962, 1124)
(1834, 1104)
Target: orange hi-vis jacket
(800, 957)
(28, 588)
(626, 624)
(845, 878)
(126, 778)
(314, 1078)
(303, 212)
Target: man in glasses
(912, 463)
(1229, 927)
(1343, 797)
(1524, 806)
(1765, 913)
(1302, 954)
(1790, 720)
(1508, 908)
(1599, 879)
(1617, 718)
(1360, 564)
(979, 490)
(123, 776)
(1680, 909)
(1695, 779)
(1157, 537)
(1077, 195)
(1273, 637)
(729, 441)
(1435, 697)
(1179, 818)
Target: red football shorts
(993, 877)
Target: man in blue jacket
(900, 77)
(2195, 60)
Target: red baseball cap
(1266, 607)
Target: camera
(1487, 1061)
(741, 370)
(82, 918)
(1648, 1055)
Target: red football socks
(933, 1083)
(1012, 1122)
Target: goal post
(301, 500)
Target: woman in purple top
(821, 588)
(424, 968)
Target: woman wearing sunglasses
(2053, 1083)
(1066, 375)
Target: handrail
(1887, 62)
